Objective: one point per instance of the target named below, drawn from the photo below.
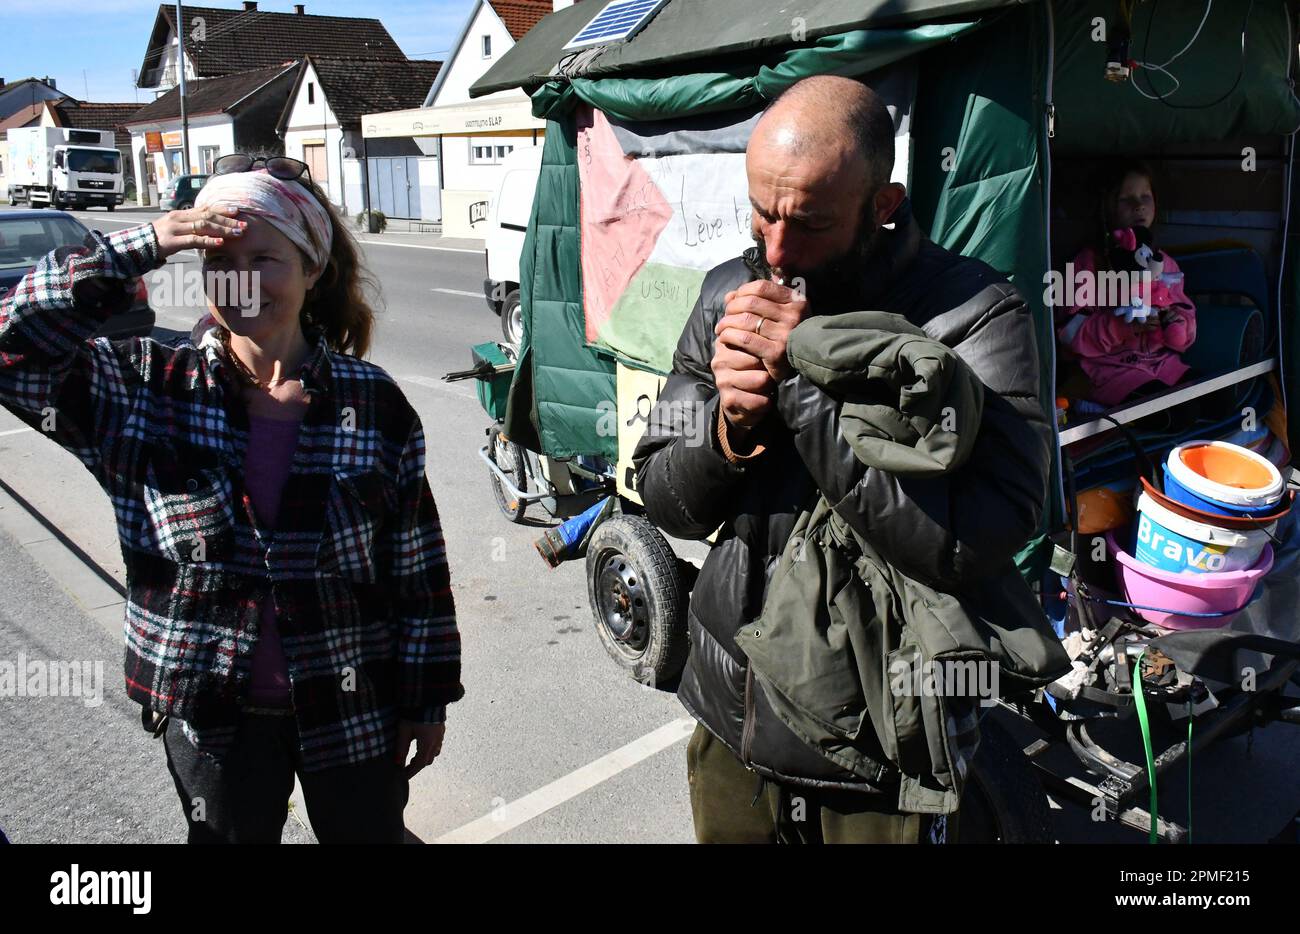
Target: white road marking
(428, 382)
(512, 815)
(188, 320)
(16, 431)
(421, 246)
(458, 292)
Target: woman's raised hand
(197, 228)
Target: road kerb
(83, 580)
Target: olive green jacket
(854, 655)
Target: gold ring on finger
(758, 328)
(194, 227)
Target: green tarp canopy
(685, 33)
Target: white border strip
(420, 246)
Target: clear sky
(91, 46)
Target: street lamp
(180, 71)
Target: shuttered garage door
(395, 186)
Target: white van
(507, 223)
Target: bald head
(818, 165)
(839, 119)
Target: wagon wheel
(512, 319)
(1004, 802)
(510, 458)
(637, 598)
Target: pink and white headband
(285, 205)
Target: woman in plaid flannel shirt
(289, 607)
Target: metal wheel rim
(517, 323)
(621, 602)
(501, 456)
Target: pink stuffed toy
(1132, 251)
(1122, 346)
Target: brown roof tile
(89, 115)
(521, 15)
(31, 113)
(210, 96)
(355, 87)
(237, 40)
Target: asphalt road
(552, 741)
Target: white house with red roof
(474, 137)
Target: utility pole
(180, 73)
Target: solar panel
(619, 20)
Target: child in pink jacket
(1120, 356)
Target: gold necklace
(242, 368)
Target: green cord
(1189, 767)
(1140, 702)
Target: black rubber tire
(512, 322)
(503, 449)
(110, 207)
(1004, 802)
(630, 562)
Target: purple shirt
(271, 445)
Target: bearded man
(819, 164)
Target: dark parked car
(26, 236)
(180, 193)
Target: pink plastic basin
(1215, 592)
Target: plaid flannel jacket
(357, 567)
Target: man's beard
(839, 278)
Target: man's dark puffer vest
(956, 533)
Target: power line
(243, 19)
(237, 21)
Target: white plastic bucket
(1170, 542)
(1206, 488)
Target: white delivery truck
(507, 224)
(63, 167)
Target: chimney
(250, 4)
(300, 9)
(50, 81)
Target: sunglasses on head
(281, 167)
